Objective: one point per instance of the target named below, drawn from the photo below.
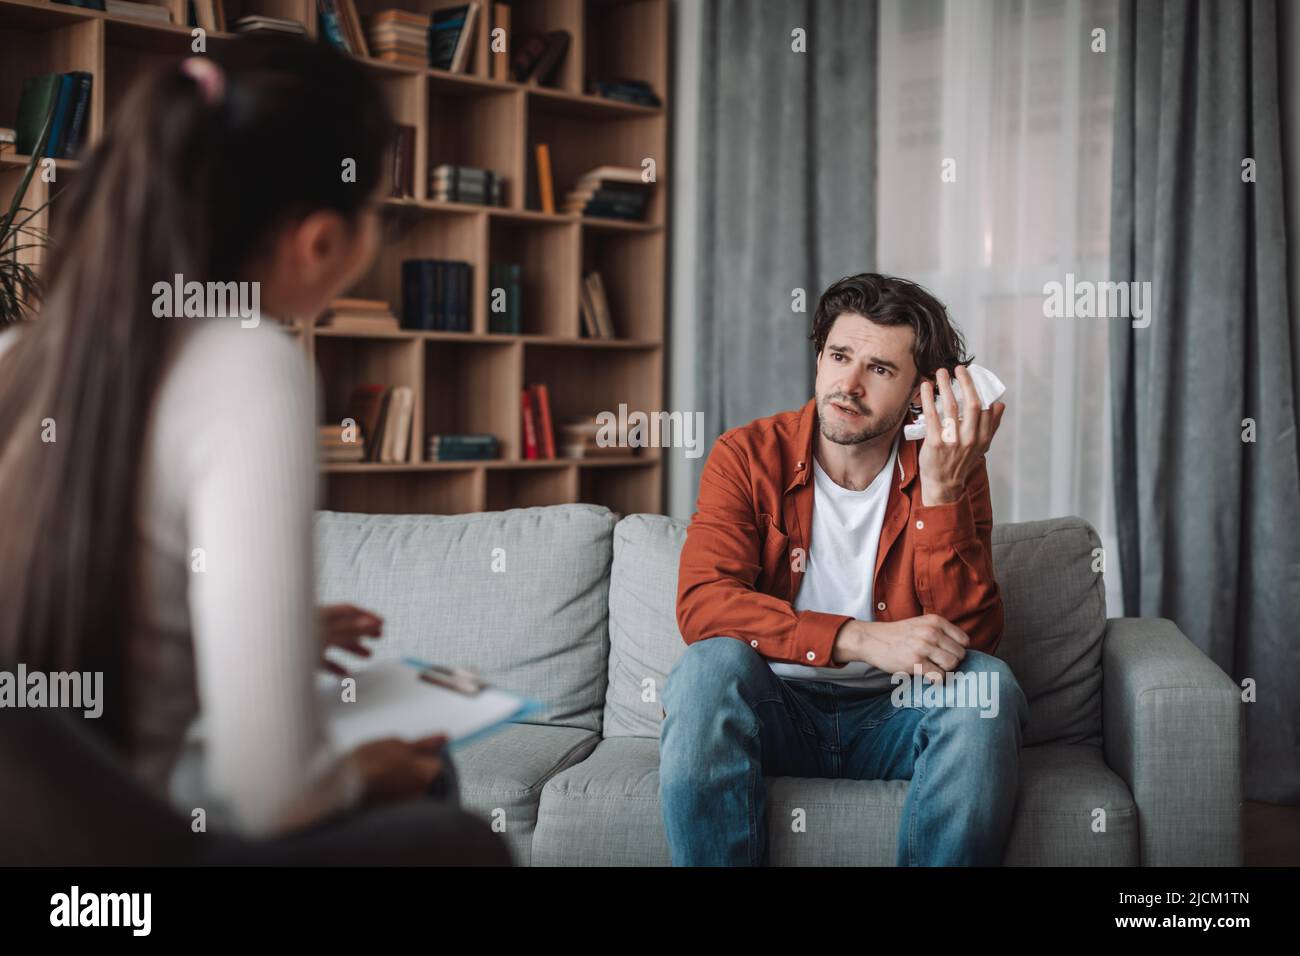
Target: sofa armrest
(1172, 724)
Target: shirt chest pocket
(775, 577)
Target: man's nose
(851, 386)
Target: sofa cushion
(1055, 607)
(605, 811)
(1055, 613)
(521, 596)
(501, 776)
(644, 642)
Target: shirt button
(753, 643)
(812, 656)
(920, 525)
(880, 606)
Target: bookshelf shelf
(560, 341)
(330, 333)
(529, 341)
(632, 462)
(463, 381)
(368, 468)
(18, 160)
(504, 464)
(417, 207)
(584, 105)
(495, 464)
(599, 224)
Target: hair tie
(209, 77)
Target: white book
(466, 38)
(398, 426)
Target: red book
(366, 406)
(530, 429)
(547, 436)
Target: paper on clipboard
(393, 701)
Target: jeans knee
(996, 683)
(713, 663)
(708, 700)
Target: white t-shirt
(841, 566)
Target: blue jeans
(731, 720)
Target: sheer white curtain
(1010, 100)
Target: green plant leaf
(32, 161)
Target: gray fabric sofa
(1132, 755)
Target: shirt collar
(799, 462)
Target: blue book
(330, 28)
(412, 295)
(458, 298)
(77, 124)
(62, 109)
(445, 27)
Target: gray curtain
(1209, 525)
(787, 165)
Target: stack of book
(627, 91)
(535, 58)
(65, 97)
(138, 11)
(340, 25)
(276, 25)
(616, 192)
(359, 315)
(437, 295)
(594, 304)
(539, 437)
(504, 276)
(403, 160)
(340, 443)
(473, 447)
(451, 36)
(581, 438)
(399, 36)
(384, 415)
(448, 183)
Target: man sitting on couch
(796, 640)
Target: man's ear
(915, 398)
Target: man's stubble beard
(842, 435)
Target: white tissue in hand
(988, 385)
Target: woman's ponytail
(201, 162)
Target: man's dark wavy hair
(889, 300)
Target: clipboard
(397, 698)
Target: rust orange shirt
(746, 547)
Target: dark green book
(34, 106)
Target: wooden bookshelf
(462, 381)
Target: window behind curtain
(1013, 92)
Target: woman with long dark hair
(158, 470)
